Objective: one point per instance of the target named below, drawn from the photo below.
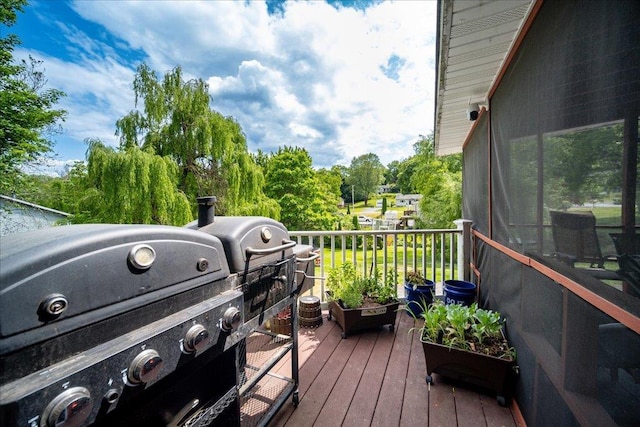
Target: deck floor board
(377, 378)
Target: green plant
(458, 322)
(467, 328)
(434, 321)
(386, 290)
(487, 325)
(415, 278)
(352, 290)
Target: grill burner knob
(53, 306)
(230, 319)
(196, 339)
(69, 409)
(145, 367)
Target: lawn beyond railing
(439, 254)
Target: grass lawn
(605, 215)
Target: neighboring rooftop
(18, 215)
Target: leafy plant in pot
(359, 302)
(418, 293)
(467, 343)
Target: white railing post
(464, 248)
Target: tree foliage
(329, 184)
(65, 194)
(306, 201)
(406, 170)
(26, 108)
(211, 150)
(581, 166)
(439, 180)
(132, 186)
(366, 173)
(391, 174)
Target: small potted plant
(467, 343)
(418, 292)
(359, 302)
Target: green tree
(306, 204)
(61, 193)
(391, 173)
(366, 173)
(406, 170)
(439, 180)
(74, 194)
(26, 108)
(581, 166)
(345, 189)
(132, 186)
(210, 149)
(329, 182)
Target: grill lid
(51, 275)
(250, 241)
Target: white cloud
(313, 77)
(98, 91)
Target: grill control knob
(230, 319)
(69, 409)
(145, 367)
(196, 338)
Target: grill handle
(286, 244)
(315, 256)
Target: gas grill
(143, 325)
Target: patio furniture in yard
(576, 241)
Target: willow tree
(175, 120)
(131, 186)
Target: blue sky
(338, 78)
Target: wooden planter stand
(478, 369)
(358, 319)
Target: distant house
(385, 188)
(17, 215)
(408, 199)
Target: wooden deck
(377, 378)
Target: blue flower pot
(459, 292)
(418, 298)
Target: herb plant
(467, 328)
(353, 290)
(415, 278)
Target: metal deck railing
(439, 254)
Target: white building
(408, 199)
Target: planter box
(358, 319)
(478, 369)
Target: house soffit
(475, 39)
